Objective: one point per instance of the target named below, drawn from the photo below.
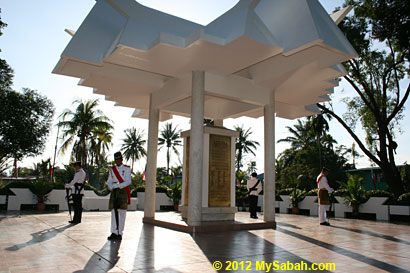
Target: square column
(151, 172)
(196, 149)
(269, 187)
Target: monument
(218, 178)
(262, 58)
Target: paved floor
(47, 243)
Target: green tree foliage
(376, 76)
(99, 145)
(137, 181)
(319, 128)
(25, 120)
(40, 169)
(301, 160)
(209, 122)
(6, 73)
(170, 137)
(133, 145)
(85, 128)
(390, 20)
(244, 145)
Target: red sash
(318, 180)
(119, 178)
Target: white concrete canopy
(127, 52)
(261, 58)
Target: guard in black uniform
(77, 192)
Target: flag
(143, 175)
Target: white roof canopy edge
(127, 52)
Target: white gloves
(331, 190)
(67, 186)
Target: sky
(34, 40)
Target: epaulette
(127, 166)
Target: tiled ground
(47, 243)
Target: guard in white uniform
(323, 194)
(119, 178)
(77, 192)
(254, 187)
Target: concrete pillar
(151, 172)
(269, 187)
(196, 149)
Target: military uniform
(119, 198)
(77, 192)
(323, 195)
(253, 195)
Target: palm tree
(170, 138)
(300, 136)
(82, 127)
(133, 145)
(319, 128)
(99, 145)
(244, 145)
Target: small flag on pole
(143, 175)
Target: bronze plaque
(219, 190)
(186, 171)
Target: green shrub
(312, 192)
(340, 192)
(404, 199)
(378, 193)
(134, 193)
(140, 189)
(19, 184)
(163, 189)
(286, 191)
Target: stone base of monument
(174, 221)
(210, 214)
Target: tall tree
(318, 128)
(100, 142)
(301, 159)
(244, 145)
(170, 138)
(6, 80)
(376, 76)
(25, 120)
(6, 73)
(299, 137)
(133, 145)
(83, 126)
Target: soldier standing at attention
(254, 187)
(323, 193)
(119, 177)
(77, 192)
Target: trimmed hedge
(379, 193)
(312, 192)
(286, 191)
(404, 199)
(163, 189)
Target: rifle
(330, 208)
(67, 197)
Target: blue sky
(35, 38)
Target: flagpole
(55, 152)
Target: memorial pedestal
(218, 178)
